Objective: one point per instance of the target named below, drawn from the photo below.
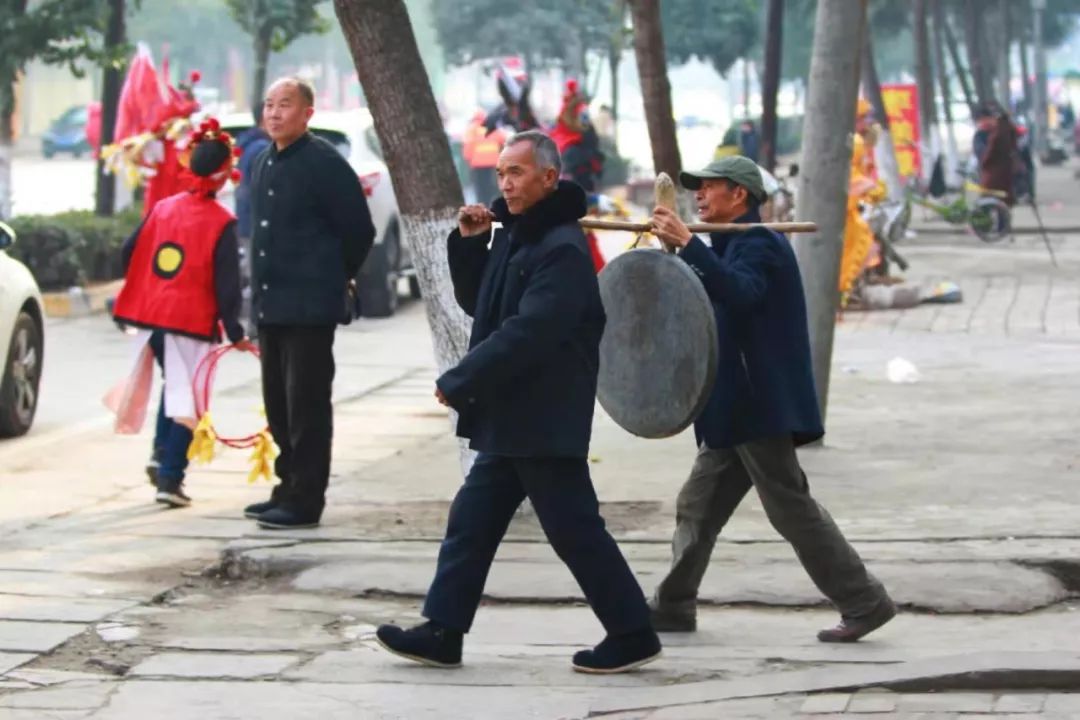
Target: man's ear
(551, 177)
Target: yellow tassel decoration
(262, 457)
(201, 449)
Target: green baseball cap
(736, 168)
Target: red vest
(170, 280)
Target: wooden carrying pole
(784, 227)
(666, 196)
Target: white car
(22, 341)
(352, 132)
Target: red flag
(140, 98)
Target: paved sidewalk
(959, 490)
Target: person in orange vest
(481, 152)
(182, 291)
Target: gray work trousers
(717, 484)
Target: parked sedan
(353, 134)
(67, 134)
(22, 341)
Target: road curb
(80, 302)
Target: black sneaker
(281, 518)
(153, 465)
(619, 654)
(428, 644)
(252, 512)
(173, 496)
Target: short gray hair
(545, 151)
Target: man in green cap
(762, 407)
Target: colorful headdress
(210, 157)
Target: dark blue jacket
(527, 386)
(312, 233)
(765, 382)
(253, 142)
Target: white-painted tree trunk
(888, 167)
(383, 45)
(6, 193)
(426, 235)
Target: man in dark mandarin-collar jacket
(763, 405)
(525, 393)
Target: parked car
(67, 134)
(22, 341)
(389, 262)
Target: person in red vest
(182, 290)
(481, 151)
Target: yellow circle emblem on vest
(169, 258)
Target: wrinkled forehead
(521, 155)
(284, 90)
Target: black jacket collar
(750, 216)
(566, 204)
(294, 147)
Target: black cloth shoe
(252, 512)
(619, 654)
(428, 644)
(670, 619)
(852, 629)
(282, 518)
(172, 494)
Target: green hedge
(73, 248)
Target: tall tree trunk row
(774, 36)
(952, 159)
(885, 150)
(407, 122)
(7, 142)
(830, 118)
(655, 87)
(115, 36)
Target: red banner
(902, 106)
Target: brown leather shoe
(852, 629)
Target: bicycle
(988, 216)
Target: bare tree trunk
(973, 39)
(655, 88)
(417, 152)
(616, 45)
(961, 73)
(774, 37)
(952, 155)
(7, 143)
(885, 150)
(1025, 71)
(1042, 123)
(931, 143)
(830, 118)
(115, 35)
(262, 63)
(1005, 44)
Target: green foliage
(717, 32)
(73, 248)
(280, 21)
(481, 29)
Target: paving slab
(78, 695)
(213, 665)
(28, 636)
(24, 607)
(207, 700)
(11, 660)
